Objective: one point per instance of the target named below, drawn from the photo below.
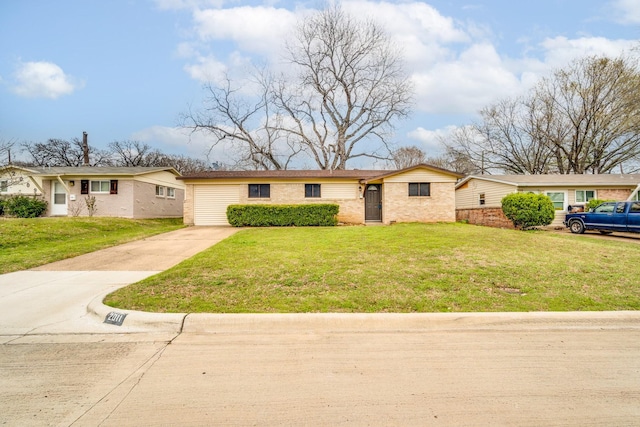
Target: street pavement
(62, 365)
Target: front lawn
(27, 243)
(400, 268)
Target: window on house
(171, 193)
(159, 191)
(557, 198)
(312, 190)
(84, 186)
(481, 199)
(262, 191)
(114, 187)
(100, 186)
(583, 196)
(419, 189)
(4, 186)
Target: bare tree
(184, 164)
(405, 157)
(345, 88)
(134, 153)
(5, 151)
(249, 126)
(584, 118)
(596, 101)
(59, 152)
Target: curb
(136, 321)
(204, 323)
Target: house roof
(365, 175)
(612, 180)
(99, 171)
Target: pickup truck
(606, 218)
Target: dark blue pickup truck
(606, 218)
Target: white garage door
(211, 201)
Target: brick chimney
(85, 149)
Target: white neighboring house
(127, 192)
(19, 180)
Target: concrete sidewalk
(66, 296)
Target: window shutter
(114, 187)
(84, 186)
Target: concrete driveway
(66, 296)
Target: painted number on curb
(115, 318)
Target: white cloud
(474, 79)
(430, 139)
(255, 29)
(206, 69)
(43, 80)
(627, 11)
(180, 140)
(560, 50)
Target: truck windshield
(606, 208)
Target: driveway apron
(65, 296)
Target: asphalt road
(61, 365)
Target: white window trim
(171, 193)
(595, 196)
(160, 191)
(100, 181)
(565, 203)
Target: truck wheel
(576, 227)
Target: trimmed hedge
(282, 215)
(527, 210)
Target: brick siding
(490, 217)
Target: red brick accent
(490, 217)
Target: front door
(58, 199)
(373, 203)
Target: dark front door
(373, 203)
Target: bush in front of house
(527, 210)
(282, 215)
(24, 207)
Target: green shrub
(595, 202)
(527, 210)
(2, 207)
(282, 215)
(24, 207)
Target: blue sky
(126, 69)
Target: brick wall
(440, 206)
(614, 194)
(351, 210)
(490, 217)
(187, 209)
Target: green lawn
(27, 243)
(400, 268)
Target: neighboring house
(478, 197)
(15, 180)
(421, 193)
(128, 192)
